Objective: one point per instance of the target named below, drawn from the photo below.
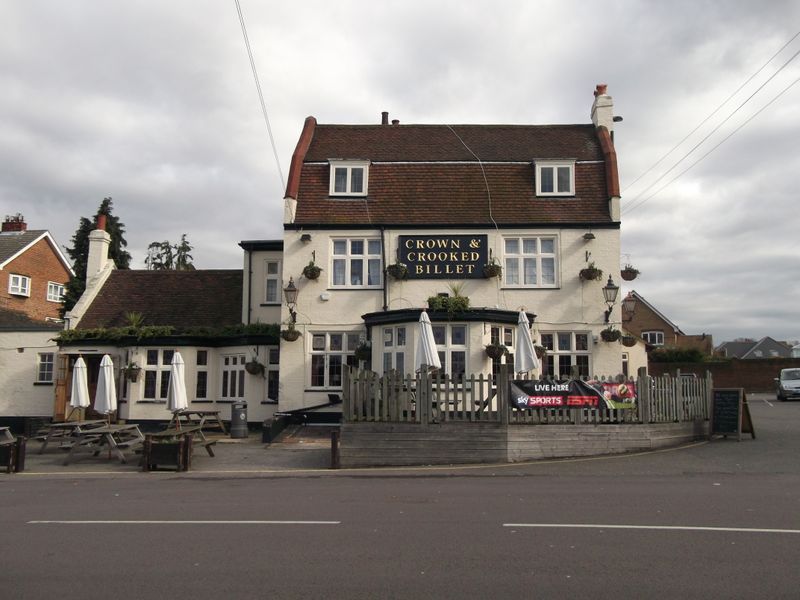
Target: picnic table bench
(117, 437)
(62, 431)
(206, 419)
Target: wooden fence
(425, 398)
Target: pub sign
(443, 256)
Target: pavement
(297, 448)
(307, 450)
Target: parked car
(788, 384)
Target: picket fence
(425, 398)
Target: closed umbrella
(426, 345)
(105, 399)
(79, 398)
(525, 358)
(176, 393)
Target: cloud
(154, 104)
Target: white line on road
(184, 522)
(652, 527)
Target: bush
(677, 355)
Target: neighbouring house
(33, 273)
(142, 318)
(381, 218)
(650, 324)
(766, 347)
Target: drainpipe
(383, 258)
(249, 284)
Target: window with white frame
(19, 285)
(272, 285)
(232, 376)
(654, 338)
(55, 291)
(451, 345)
(349, 177)
(273, 370)
(565, 350)
(156, 373)
(394, 349)
(330, 353)
(530, 261)
(44, 367)
(555, 177)
(356, 262)
(201, 383)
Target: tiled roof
(424, 174)
(507, 143)
(210, 298)
(13, 242)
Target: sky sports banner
(572, 393)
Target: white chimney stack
(99, 242)
(603, 108)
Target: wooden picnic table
(6, 437)
(62, 431)
(206, 419)
(116, 437)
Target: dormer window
(555, 177)
(349, 177)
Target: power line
(260, 93)
(634, 205)
(715, 111)
(753, 116)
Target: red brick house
(650, 324)
(33, 273)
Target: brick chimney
(603, 108)
(15, 223)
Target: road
(714, 520)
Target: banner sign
(443, 256)
(572, 393)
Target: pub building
(480, 221)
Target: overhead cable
(260, 93)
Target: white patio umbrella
(525, 358)
(79, 398)
(176, 393)
(105, 399)
(426, 345)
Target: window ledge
(42, 383)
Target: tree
(79, 252)
(164, 256)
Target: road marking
(651, 527)
(184, 522)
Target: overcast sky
(154, 104)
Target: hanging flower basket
(495, 351)
(591, 273)
(254, 367)
(311, 271)
(363, 351)
(132, 372)
(291, 334)
(629, 273)
(541, 351)
(492, 270)
(398, 271)
(628, 340)
(610, 335)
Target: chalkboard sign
(730, 413)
